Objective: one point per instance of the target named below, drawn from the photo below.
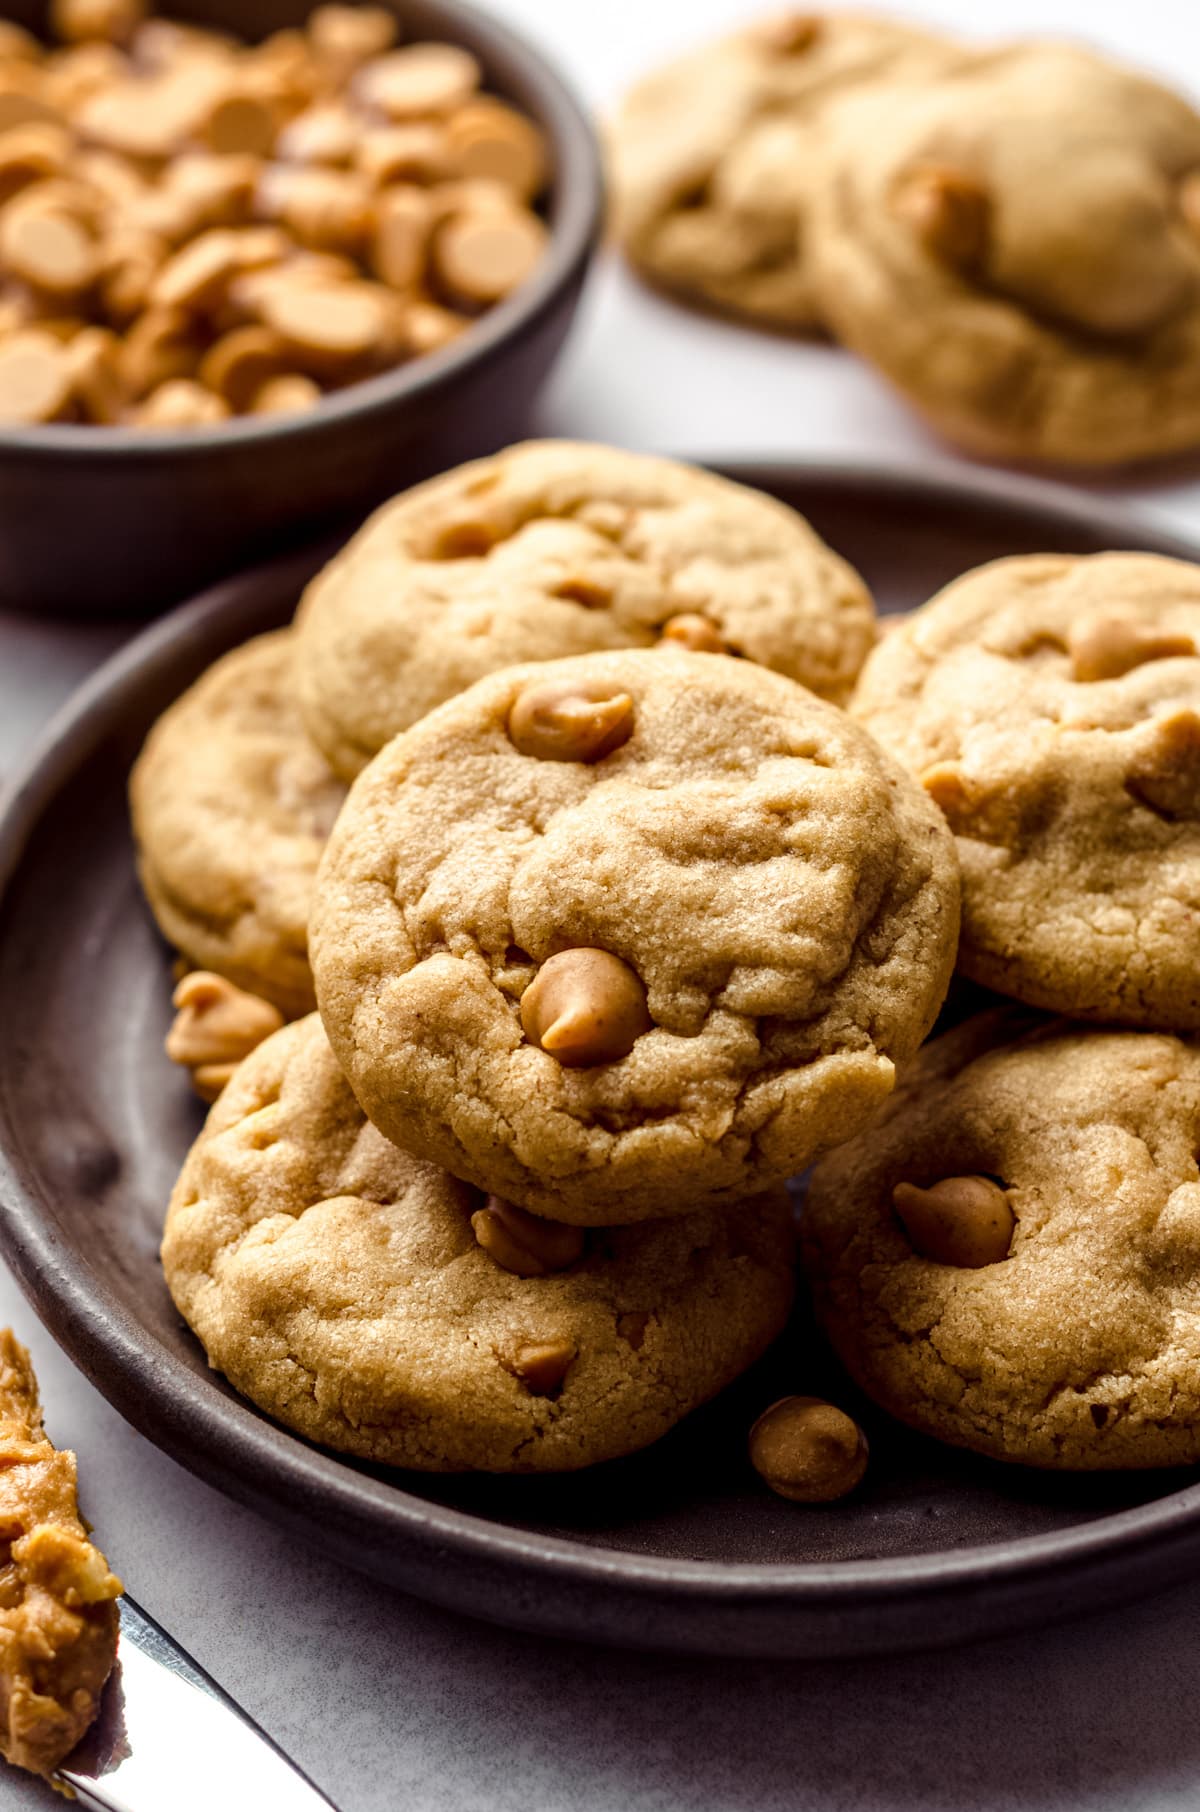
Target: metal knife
(168, 1737)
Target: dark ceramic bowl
(117, 520)
(679, 1547)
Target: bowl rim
(240, 1450)
(575, 219)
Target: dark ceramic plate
(676, 1548)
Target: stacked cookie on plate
(1011, 235)
(621, 921)
(1010, 1259)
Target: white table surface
(390, 1704)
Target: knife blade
(168, 1735)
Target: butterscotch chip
(585, 1007)
(132, 259)
(1029, 697)
(524, 1243)
(240, 363)
(114, 179)
(489, 140)
(58, 1616)
(476, 196)
(328, 210)
(290, 394)
(327, 134)
(690, 630)
(48, 250)
(1164, 775)
(441, 1365)
(481, 258)
(747, 881)
(400, 242)
(216, 1025)
(241, 124)
(161, 345)
(574, 722)
(808, 1450)
(18, 45)
(332, 326)
(76, 20)
(153, 118)
(30, 154)
(231, 808)
(73, 76)
(418, 153)
(95, 370)
(181, 403)
(964, 1221)
(35, 385)
(419, 79)
(427, 327)
(23, 99)
(346, 37)
(202, 190)
(198, 277)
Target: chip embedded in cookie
(612, 935)
(1050, 704)
(1010, 1259)
(714, 158)
(375, 1305)
(553, 549)
(1016, 245)
(231, 808)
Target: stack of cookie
(1010, 1259)
(621, 921)
(1011, 235)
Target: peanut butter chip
(480, 258)
(523, 1243)
(949, 791)
(76, 21)
(180, 403)
(51, 251)
(1189, 201)
(333, 325)
(215, 1026)
(1165, 776)
(420, 79)
(242, 362)
(948, 211)
(579, 723)
(541, 1365)
(1104, 648)
(35, 385)
(807, 1450)
(585, 1007)
(241, 123)
(94, 367)
(402, 223)
(290, 394)
(489, 140)
(963, 1221)
(694, 632)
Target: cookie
(617, 934)
(342, 1286)
(714, 158)
(58, 1613)
(231, 809)
(552, 549)
(1050, 704)
(1075, 1342)
(1016, 245)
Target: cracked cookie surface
(714, 158)
(1015, 244)
(558, 548)
(231, 808)
(338, 1283)
(1051, 704)
(777, 902)
(1081, 1348)
(58, 1612)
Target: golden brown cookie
(714, 158)
(344, 1288)
(559, 548)
(58, 1613)
(1074, 1343)
(1051, 706)
(231, 808)
(1016, 245)
(619, 934)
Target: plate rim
(241, 1451)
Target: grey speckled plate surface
(676, 1548)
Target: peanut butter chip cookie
(1051, 706)
(1074, 1342)
(613, 986)
(374, 1304)
(231, 809)
(1016, 245)
(714, 158)
(554, 549)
